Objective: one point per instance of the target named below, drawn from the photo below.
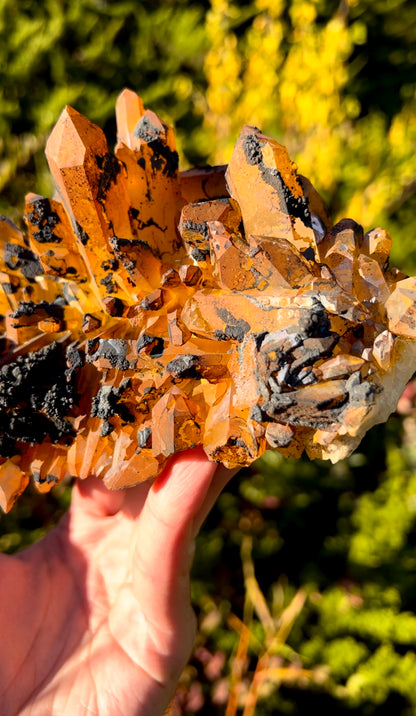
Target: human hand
(96, 617)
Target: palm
(106, 625)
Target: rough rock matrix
(149, 310)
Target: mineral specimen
(149, 310)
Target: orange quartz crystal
(147, 311)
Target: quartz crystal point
(149, 310)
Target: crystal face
(149, 310)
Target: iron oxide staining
(148, 310)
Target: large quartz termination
(147, 311)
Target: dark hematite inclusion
(144, 437)
(110, 167)
(109, 284)
(156, 342)
(296, 206)
(29, 308)
(107, 404)
(185, 366)
(45, 220)
(163, 159)
(36, 395)
(112, 349)
(82, 235)
(19, 258)
(197, 228)
(236, 328)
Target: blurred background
(305, 573)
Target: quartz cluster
(149, 310)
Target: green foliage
(344, 654)
(334, 82)
(33, 518)
(346, 534)
(384, 672)
(83, 53)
